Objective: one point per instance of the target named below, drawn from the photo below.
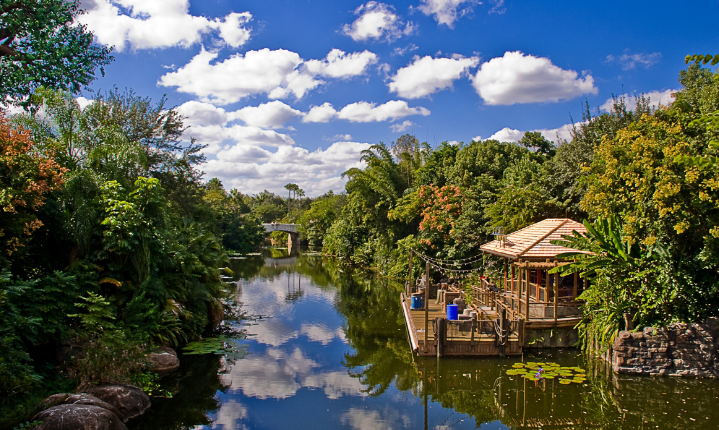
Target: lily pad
(565, 381)
(220, 345)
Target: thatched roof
(534, 242)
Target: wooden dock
(458, 338)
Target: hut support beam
(426, 307)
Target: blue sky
(292, 90)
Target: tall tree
(42, 45)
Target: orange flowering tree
(440, 207)
(27, 174)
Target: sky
(291, 91)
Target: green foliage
(703, 59)
(316, 221)
(43, 45)
(628, 280)
(98, 316)
(533, 140)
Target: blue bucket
(452, 312)
(416, 302)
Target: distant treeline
(644, 180)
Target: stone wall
(677, 350)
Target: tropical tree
(43, 46)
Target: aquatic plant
(536, 371)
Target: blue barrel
(452, 312)
(416, 302)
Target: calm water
(330, 351)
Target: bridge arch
(293, 238)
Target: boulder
(129, 400)
(164, 360)
(78, 417)
(76, 399)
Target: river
(327, 348)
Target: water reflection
(330, 351)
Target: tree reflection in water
(467, 389)
(194, 389)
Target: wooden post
(539, 282)
(556, 294)
(439, 324)
(409, 287)
(502, 329)
(574, 290)
(546, 285)
(473, 325)
(512, 278)
(505, 273)
(526, 273)
(426, 306)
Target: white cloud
(369, 112)
(198, 113)
(427, 75)
(401, 51)
(656, 98)
(559, 134)
(336, 384)
(498, 7)
(339, 64)
(230, 414)
(276, 375)
(83, 102)
(340, 137)
(377, 21)
(447, 11)
(321, 333)
(519, 78)
(631, 61)
(267, 115)
(252, 169)
(159, 24)
(322, 113)
(364, 112)
(367, 419)
(399, 128)
(507, 135)
(277, 73)
(513, 135)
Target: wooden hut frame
(530, 292)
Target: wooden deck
(462, 339)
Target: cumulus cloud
(447, 11)
(253, 169)
(364, 112)
(322, 113)
(630, 61)
(277, 73)
(209, 125)
(427, 75)
(555, 135)
(321, 333)
(519, 78)
(340, 137)
(656, 98)
(377, 21)
(399, 128)
(153, 24)
(507, 135)
(268, 115)
(230, 414)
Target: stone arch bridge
(293, 238)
